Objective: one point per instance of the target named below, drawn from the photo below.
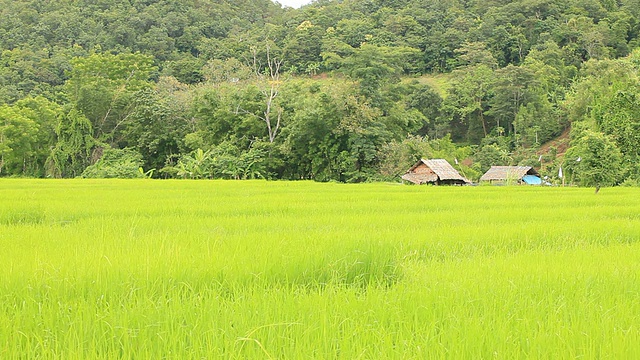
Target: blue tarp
(532, 180)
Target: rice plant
(256, 269)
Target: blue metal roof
(532, 180)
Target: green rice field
(145, 269)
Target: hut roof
(508, 172)
(440, 167)
(443, 169)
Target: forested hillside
(352, 90)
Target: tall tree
(268, 80)
(102, 87)
(467, 101)
(510, 92)
(44, 114)
(74, 146)
(18, 136)
(594, 160)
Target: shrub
(116, 163)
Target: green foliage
(466, 102)
(187, 70)
(221, 162)
(74, 145)
(303, 47)
(18, 137)
(191, 166)
(594, 160)
(599, 83)
(511, 91)
(374, 66)
(103, 86)
(44, 114)
(317, 92)
(491, 155)
(620, 118)
(30, 72)
(606, 100)
(27, 134)
(159, 122)
(116, 163)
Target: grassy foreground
(296, 270)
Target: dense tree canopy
(350, 90)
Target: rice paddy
(297, 270)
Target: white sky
(293, 3)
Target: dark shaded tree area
(247, 89)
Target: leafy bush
(116, 163)
(631, 182)
(594, 160)
(224, 161)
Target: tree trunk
(271, 82)
(484, 125)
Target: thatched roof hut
(516, 174)
(436, 171)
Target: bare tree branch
(268, 80)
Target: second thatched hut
(512, 175)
